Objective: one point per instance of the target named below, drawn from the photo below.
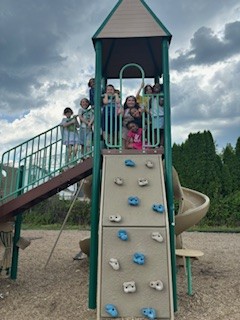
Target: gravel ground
(60, 291)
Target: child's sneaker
(80, 256)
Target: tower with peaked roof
(131, 35)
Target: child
(86, 117)
(111, 111)
(134, 136)
(130, 103)
(157, 114)
(144, 100)
(91, 84)
(70, 133)
(137, 116)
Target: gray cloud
(208, 48)
(36, 40)
(214, 107)
(47, 56)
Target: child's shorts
(158, 122)
(85, 136)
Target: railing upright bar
(42, 156)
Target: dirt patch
(61, 290)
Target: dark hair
(110, 85)
(90, 80)
(145, 88)
(132, 121)
(66, 110)
(136, 104)
(130, 111)
(159, 85)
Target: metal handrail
(41, 158)
(45, 156)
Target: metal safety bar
(40, 159)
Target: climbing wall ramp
(134, 272)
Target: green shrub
(54, 211)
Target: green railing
(114, 122)
(39, 159)
(45, 156)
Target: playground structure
(127, 217)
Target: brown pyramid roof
(131, 19)
(131, 34)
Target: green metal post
(168, 165)
(95, 180)
(189, 275)
(17, 231)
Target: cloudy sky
(47, 57)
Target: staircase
(37, 169)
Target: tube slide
(193, 205)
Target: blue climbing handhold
(149, 313)
(139, 258)
(129, 163)
(158, 208)
(111, 310)
(122, 234)
(133, 201)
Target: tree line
(201, 168)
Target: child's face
(91, 82)
(134, 112)
(130, 102)
(68, 114)
(84, 104)
(133, 127)
(110, 90)
(157, 88)
(148, 90)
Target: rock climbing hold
(111, 310)
(129, 163)
(133, 201)
(129, 287)
(139, 258)
(115, 218)
(158, 208)
(114, 264)
(122, 234)
(142, 182)
(118, 181)
(149, 164)
(157, 285)
(157, 236)
(149, 313)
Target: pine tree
(237, 171)
(231, 161)
(199, 166)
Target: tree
(197, 163)
(231, 161)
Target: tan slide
(85, 245)
(193, 206)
